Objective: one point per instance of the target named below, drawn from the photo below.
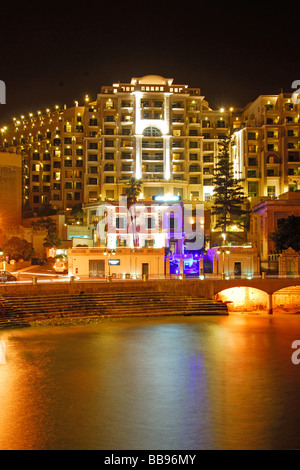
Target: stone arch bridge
(209, 288)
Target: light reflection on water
(189, 383)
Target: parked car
(37, 261)
(5, 276)
(61, 266)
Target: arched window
(273, 159)
(152, 132)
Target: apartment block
(266, 149)
(150, 128)
(156, 130)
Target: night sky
(232, 51)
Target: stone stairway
(26, 311)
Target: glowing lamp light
(168, 198)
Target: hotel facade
(165, 134)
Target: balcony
(126, 168)
(153, 169)
(152, 177)
(177, 145)
(126, 144)
(128, 122)
(110, 119)
(177, 169)
(293, 157)
(179, 106)
(177, 120)
(150, 158)
(152, 145)
(126, 104)
(194, 169)
(273, 174)
(109, 167)
(178, 158)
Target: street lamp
(95, 221)
(222, 250)
(109, 253)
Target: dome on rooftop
(153, 80)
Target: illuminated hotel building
(154, 130)
(266, 149)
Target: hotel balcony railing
(152, 169)
(195, 170)
(126, 121)
(177, 145)
(149, 158)
(153, 177)
(126, 104)
(152, 145)
(178, 178)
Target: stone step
(25, 315)
(105, 302)
(48, 303)
(104, 312)
(24, 311)
(171, 297)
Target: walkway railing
(34, 278)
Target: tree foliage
(287, 234)
(46, 210)
(52, 240)
(228, 196)
(17, 248)
(77, 211)
(45, 223)
(133, 190)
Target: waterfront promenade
(39, 301)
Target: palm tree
(132, 192)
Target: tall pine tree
(228, 196)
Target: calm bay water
(152, 384)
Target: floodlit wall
(125, 263)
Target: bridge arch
(245, 299)
(287, 300)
